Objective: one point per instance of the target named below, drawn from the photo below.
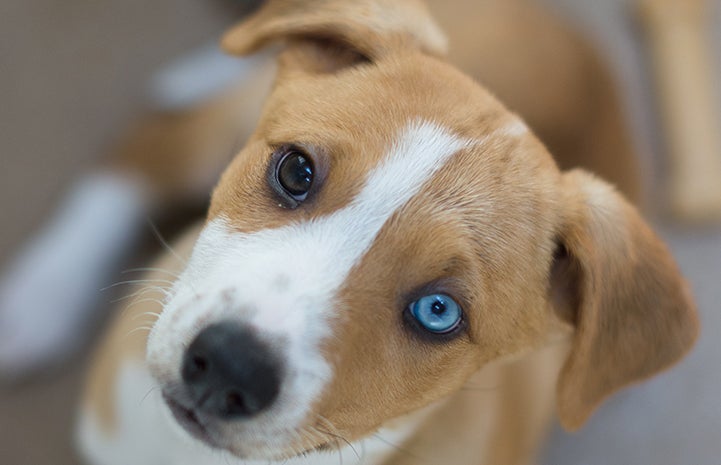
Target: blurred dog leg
(202, 108)
(678, 35)
(48, 292)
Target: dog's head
(388, 230)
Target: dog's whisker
(138, 281)
(399, 448)
(150, 269)
(138, 293)
(337, 448)
(146, 300)
(328, 438)
(335, 433)
(340, 456)
(363, 451)
(147, 394)
(152, 288)
(164, 243)
(154, 315)
(138, 329)
(167, 246)
(139, 300)
(129, 308)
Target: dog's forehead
(354, 119)
(373, 102)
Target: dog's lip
(188, 419)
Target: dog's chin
(193, 424)
(188, 419)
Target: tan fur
(635, 315)
(127, 335)
(499, 416)
(533, 62)
(541, 68)
(373, 26)
(531, 253)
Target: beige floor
(72, 74)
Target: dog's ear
(330, 34)
(616, 281)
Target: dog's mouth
(188, 419)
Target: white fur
(137, 436)
(49, 292)
(284, 281)
(144, 433)
(516, 128)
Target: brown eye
(295, 174)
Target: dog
(394, 269)
(201, 105)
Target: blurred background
(74, 74)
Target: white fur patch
(144, 433)
(283, 281)
(516, 128)
(138, 435)
(47, 294)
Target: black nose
(230, 373)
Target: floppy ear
(617, 282)
(360, 30)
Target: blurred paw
(49, 295)
(44, 314)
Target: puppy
(206, 103)
(393, 270)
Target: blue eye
(437, 313)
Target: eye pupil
(295, 174)
(438, 307)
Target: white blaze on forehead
(283, 281)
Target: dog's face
(389, 229)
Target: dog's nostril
(194, 367)
(200, 364)
(235, 404)
(230, 373)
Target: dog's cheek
(381, 370)
(243, 196)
